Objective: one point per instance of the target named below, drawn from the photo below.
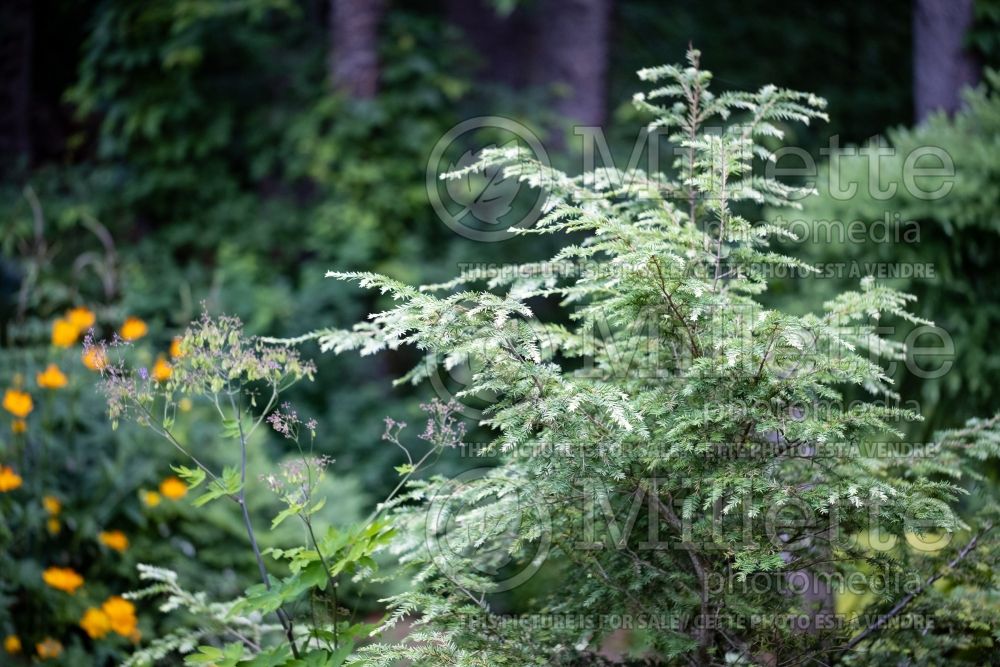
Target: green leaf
(213, 492)
(289, 511)
(318, 506)
(228, 656)
(230, 428)
(193, 476)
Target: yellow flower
(52, 378)
(9, 480)
(133, 329)
(64, 333)
(49, 648)
(175, 347)
(173, 488)
(19, 426)
(12, 644)
(52, 505)
(151, 498)
(95, 359)
(95, 623)
(53, 526)
(114, 539)
(121, 613)
(162, 370)
(185, 404)
(80, 317)
(18, 403)
(63, 579)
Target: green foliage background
(203, 137)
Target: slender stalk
(286, 622)
(329, 577)
(382, 505)
(165, 433)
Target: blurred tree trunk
(354, 53)
(503, 41)
(571, 52)
(942, 65)
(560, 46)
(16, 28)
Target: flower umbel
(443, 428)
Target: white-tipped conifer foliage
(677, 454)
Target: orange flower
(133, 329)
(64, 333)
(114, 539)
(150, 498)
(95, 623)
(175, 347)
(53, 525)
(19, 426)
(173, 488)
(9, 480)
(18, 403)
(121, 614)
(95, 358)
(52, 378)
(12, 644)
(49, 648)
(81, 317)
(52, 505)
(63, 579)
(162, 370)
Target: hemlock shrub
(681, 454)
(669, 457)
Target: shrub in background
(946, 222)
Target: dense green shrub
(957, 234)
